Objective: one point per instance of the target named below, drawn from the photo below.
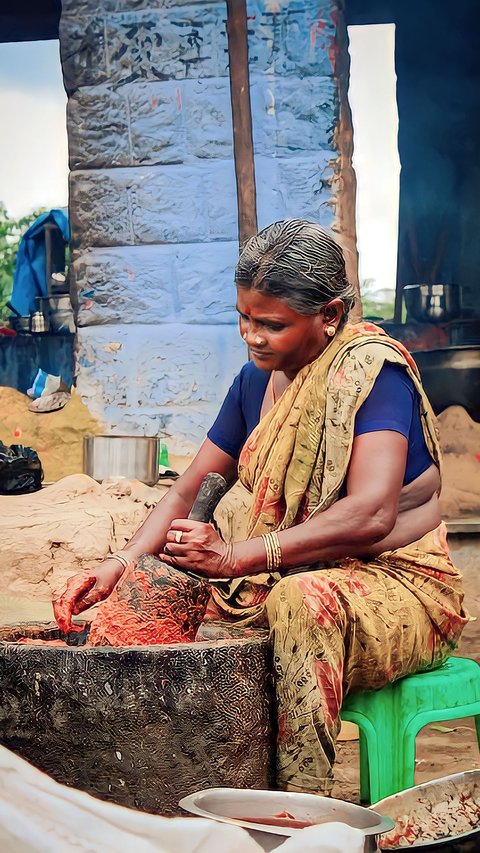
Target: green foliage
(11, 231)
(376, 304)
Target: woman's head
(293, 294)
(299, 262)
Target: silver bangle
(121, 559)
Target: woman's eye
(275, 327)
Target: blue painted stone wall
(152, 190)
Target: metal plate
(237, 805)
(433, 794)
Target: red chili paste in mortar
(151, 604)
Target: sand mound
(460, 441)
(56, 436)
(458, 432)
(51, 534)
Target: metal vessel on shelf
(451, 377)
(432, 303)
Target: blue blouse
(392, 404)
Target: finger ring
(178, 536)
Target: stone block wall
(152, 190)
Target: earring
(245, 336)
(330, 331)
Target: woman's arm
(350, 527)
(87, 588)
(151, 536)
(365, 516)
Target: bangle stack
(273, 551)
(122, 559)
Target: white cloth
(37, 815)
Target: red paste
(283, 819)
(152, 604)
(31, 642)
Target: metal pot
(39, 323)
(131, 456)
(59, 311)
(451, 377)
(432, 303)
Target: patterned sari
(351, 624)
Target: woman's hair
(297, 261)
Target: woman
(346, 557)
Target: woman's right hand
(83, 590)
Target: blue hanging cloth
(30, 266)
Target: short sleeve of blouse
(389, 405)
(229, 430)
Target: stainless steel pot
(451, 377)
(432, 303)
(134, 457)
(59, 311)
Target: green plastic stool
(390, 719)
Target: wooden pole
(241, 118)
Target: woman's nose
(253, 338)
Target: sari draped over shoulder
(351, 624)
(295, 461)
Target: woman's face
(278, 337)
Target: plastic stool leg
(405, 766)
(477, 726)
(365, 797)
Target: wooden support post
(241, 118)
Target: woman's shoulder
(251, 376)
(392, 377)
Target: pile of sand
(56, 436)
(51, 534)
(460, 442)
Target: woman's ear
(333, 311)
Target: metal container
(131, 456)
(442, 799)
(39, 323)
(21, 325)
(451, 377)
(59, 311)
(432, 303)
(250, 808)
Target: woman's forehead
(250, 301)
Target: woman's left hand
(195, 546)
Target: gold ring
(178, 536)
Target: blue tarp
(29, 276)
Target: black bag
(20, 470)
